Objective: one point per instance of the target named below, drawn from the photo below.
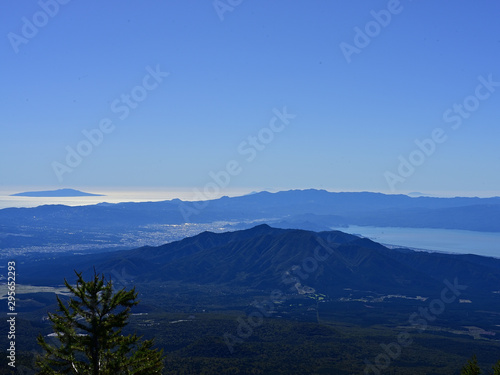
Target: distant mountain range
(294, 261)
(114, 225)
(317, 207)
(56, 193)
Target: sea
(430, 239)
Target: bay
(431, 239)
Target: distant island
(56, 193)
(417, 194)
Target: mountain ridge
(267, 258)
(363, 208)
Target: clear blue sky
(229, 72)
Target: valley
(269, 300)
(206, 329)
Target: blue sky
(200, 81)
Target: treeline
(472, 368)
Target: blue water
(444, 240)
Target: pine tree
(89, 334)
(471, 367)
(496, 368)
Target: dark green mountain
(265, 258)
(343, 299)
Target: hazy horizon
(192, 192)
